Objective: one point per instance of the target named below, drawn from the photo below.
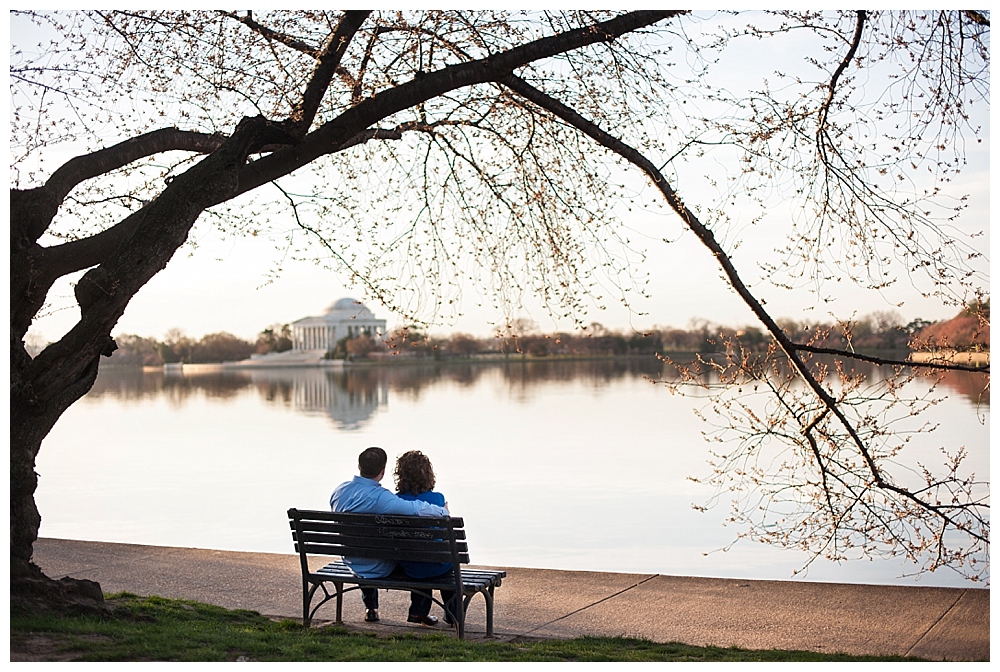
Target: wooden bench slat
(472, 578)
(345, 547)
(382, 553)
(377, 519)
(390, 531)
(351, 540)
(469, 587)
(374, 541)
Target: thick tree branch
(104, 161)
(105, 291)
(941, 366)
(349, 129)
(164, 223)
(332, 135)
(34, 268)
(976, 17)
(51, 263)
(326, 67)
(32, 210)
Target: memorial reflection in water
(562, 446)
(348, 400)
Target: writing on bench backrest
(387, 520)
(408, 534)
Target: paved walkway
(934, 623)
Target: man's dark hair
(371, 462)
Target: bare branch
(273, 35)
(855, 42)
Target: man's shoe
(371, 615)
(429, 621)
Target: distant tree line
(177, 347)
(878, 331)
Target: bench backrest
(379, 536)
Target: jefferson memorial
(346, 317)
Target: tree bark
(31, 419)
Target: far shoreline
(977, 359)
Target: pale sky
(224, 285)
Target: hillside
(969, 330)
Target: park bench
(387, 537)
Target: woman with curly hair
(415, 481)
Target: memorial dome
(346, 303)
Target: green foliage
(276, 338)
(339, 350)
(176, 347)
(978, 307)
(360, 346)
(155, 628)
(221, 347)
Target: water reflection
(349, 400)
(350, 397)
(974, 387)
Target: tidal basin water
(563, 465)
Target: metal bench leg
(489, 611)
(306, 599)
(340, 602)
(465, 611)
(452, 613)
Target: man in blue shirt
(363, 494)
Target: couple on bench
(415, 496)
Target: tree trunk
(30, 420)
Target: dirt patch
(39, 648)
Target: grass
(159, 629)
